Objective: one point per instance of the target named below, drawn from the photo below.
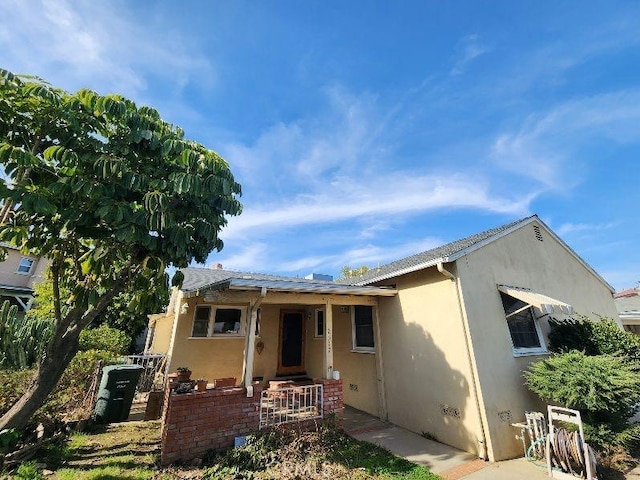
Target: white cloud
(570, 228)
(251, 258)
(341, 137)
(392, 195)
(469, 48)
(547, 146)
(370, 255)
(96, 45)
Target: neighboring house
(628, 305)
(18, 274)
(435, 343)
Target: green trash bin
(117, 389)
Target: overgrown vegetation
(286, 453)
(106, 339)
(23, 338)
(131, 450)
(595, 369)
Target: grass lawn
(130, 451)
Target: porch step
(300, 379)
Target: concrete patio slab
(448, 462)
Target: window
(523, 327)
(363, 328)
(25, 265)
(226, 321)
(318, 331)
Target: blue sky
(365, 131)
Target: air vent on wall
(536, 229)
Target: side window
(227, 320)
(201, 322)
(363, 338)
(318, 331)
(523, 328)
(25, 265)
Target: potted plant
(201, 384)
(184, 374)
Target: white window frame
(211, 324)
(22, 265)
(315, 323)
(358, 348)
(527, 351)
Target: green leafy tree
(111, 194)
(348, 272)
(125, 313)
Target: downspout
(482, 451)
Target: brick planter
(196, 422)
(193, 423)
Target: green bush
(593, 338)
(13, 383)
(104, 338)
(605, 388)
(70, 400)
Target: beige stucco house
(435, 343)
(628, 305)
(18, 274)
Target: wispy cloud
(469, 48)
(393, 195)
(94, 44)
(570, 228)
(545, 147)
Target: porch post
(382, 394)
(249, 345)
(328, 340)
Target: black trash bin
(117, 389)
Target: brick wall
(333, 399)
(196, 422)
(193, 423)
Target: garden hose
(567, 453)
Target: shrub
(13, 383)
(104, 338)
(593, 338)
(605, 388)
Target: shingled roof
(197, 280)
(444, 253)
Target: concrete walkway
(448, 462)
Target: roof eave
(454, 256)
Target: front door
(291, 348)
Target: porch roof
(198, 280)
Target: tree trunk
(60, 352)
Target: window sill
(318, 338)
(24, 273)
(213, 337)
(362, 350)
(530, 353)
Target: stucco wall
(357, 370)
(162, 335)
(209, 358)
(518, 259)
(221, 357)
(9, 267)
(426, 367)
